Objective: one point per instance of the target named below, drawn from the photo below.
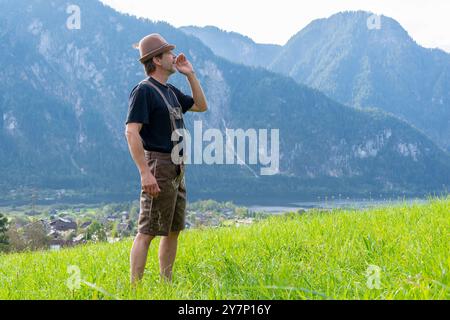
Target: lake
(328, 204)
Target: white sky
(275, 21)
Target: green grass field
(399, 252)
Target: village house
(86, 224)
(109, 218)
(61, 224)
(125, 216)
(123, 227)
(228, 213)
(80, 239)
(57, 240)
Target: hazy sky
(427, 21)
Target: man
(155, 112)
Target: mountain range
(64, 97)
(358, 63)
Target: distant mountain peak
(214, 29)
(233, 46)
(357, 23)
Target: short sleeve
(186, 101)
(138, 106)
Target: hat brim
(164, 48)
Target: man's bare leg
(138, 256)
(167, 253)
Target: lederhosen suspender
(174, 114)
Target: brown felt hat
(151, 46)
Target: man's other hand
(149, 184)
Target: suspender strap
(169, 106)
(174, 113)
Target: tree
(3, 233)
(36, 236)
(96, 232)
(115, 230)
(16, 239)
(242, 212)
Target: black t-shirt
(146, 106)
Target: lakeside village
(56, 226)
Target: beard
(170, 68)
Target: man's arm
(148, 181)
(185, 67)
(200, 104)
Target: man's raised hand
(183, 65)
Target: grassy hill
(318, 255)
